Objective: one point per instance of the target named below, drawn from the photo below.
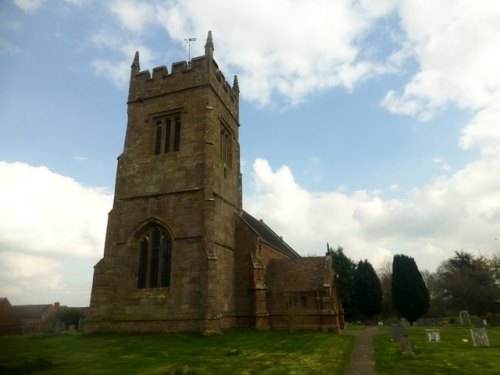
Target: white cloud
(23, 266)
(452, 213)
(484, 130)
(286, 47)
(456, 47)
(28, 279)
(29, 5)
(46, 213)
(133, 15)
(118, 68)
(51, 233)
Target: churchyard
(237, 352)
(454, 353)
(248, 352)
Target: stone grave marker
(397, 331)
(464, 318)
(480, 337)
(405, 322)
(407, 347)
(433, 335)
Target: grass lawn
(237, 352)
(449, 356)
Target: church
(180, 252)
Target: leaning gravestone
(479, 337)
(407, 347)
(478, 333)
(398, 331)
(464, 318)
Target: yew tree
(409, 292)
(344, 268)
(367, 289)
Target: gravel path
(363, 354)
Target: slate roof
(303, 274)
(268, 235)
(30, 311)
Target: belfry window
(168, 134)
(226, 148)
(155, 258)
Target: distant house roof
(268, 235)
(30, 311)
(303, 274)
(8, 315)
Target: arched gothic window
(155, 257)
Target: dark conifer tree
(367, 289)
(409, 292)
(344, 268)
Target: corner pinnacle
(236, 86)
(209, 45)
(135, 63)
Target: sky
(368, 124)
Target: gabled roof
(30, 311)
(8, 315)
(304, 274)
(268, 235)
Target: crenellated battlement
(200, 71)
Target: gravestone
(407, 347)
(464, 318)
(479, 337)
(433, 335)
(405, 322)
(397, 331)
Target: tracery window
(168, 134)
(155, 258)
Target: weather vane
(188, 42)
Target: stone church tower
(180, 253)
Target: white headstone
(433, 335)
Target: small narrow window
(155, 254)
(225, 149)
(158, 139)
(228, 151)
(177, 135)
(168, 130)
